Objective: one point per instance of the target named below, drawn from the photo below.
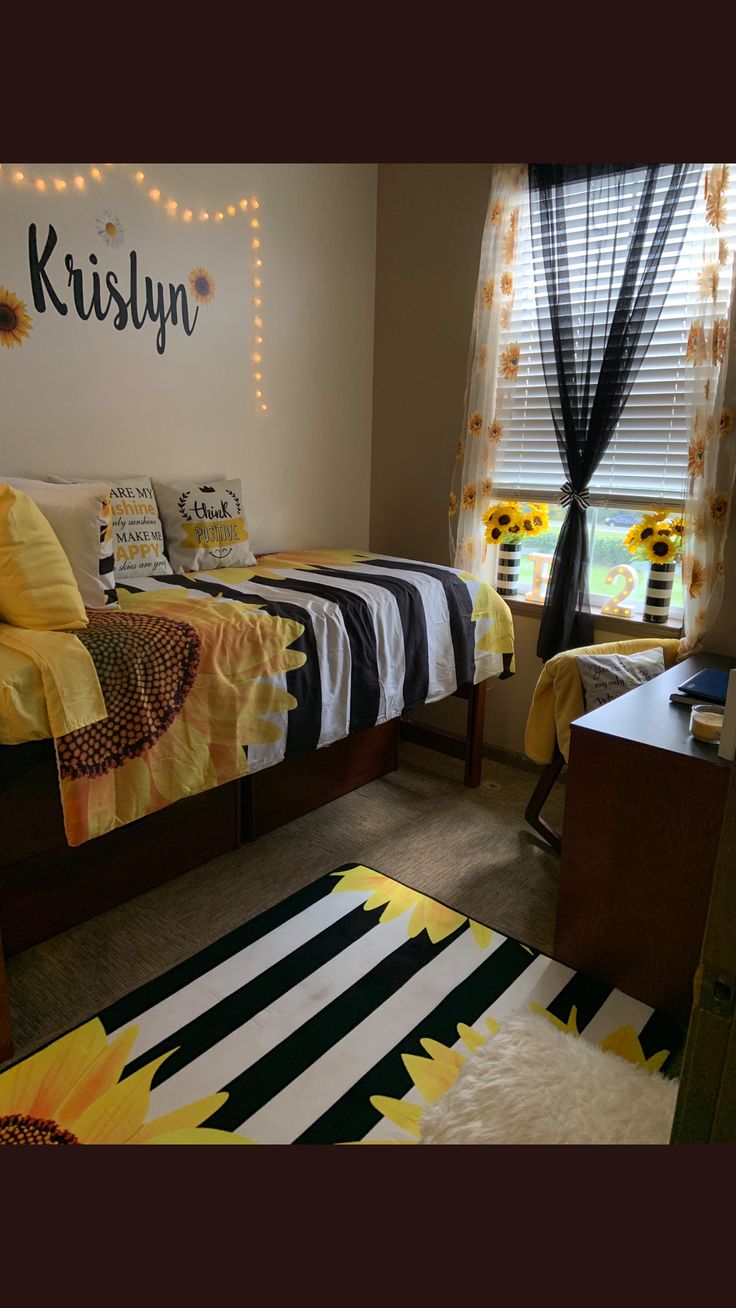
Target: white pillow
(606, 676)
(204, 524)
(138, 536)
(80, 517)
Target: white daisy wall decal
(110, 229)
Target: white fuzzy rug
(533, 1084)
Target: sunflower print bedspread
(210, 675)
(186, 687)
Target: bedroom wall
(430, 221)
(82, 398)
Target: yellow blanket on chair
(558, 697)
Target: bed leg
(474, 735)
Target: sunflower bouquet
(513, 520)
(656, 537)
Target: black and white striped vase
(659, 592)
(507, 567)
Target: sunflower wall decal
(110, 229)
(15, 320)
(202, 285)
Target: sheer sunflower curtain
(493, 364)
(711, 463)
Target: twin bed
(212, 706)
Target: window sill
(631, 627)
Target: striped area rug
(340, 1013)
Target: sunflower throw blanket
(183, 683)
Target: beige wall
(81, 398)
(430, 220)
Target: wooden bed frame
(47, 887)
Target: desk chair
(558, 701)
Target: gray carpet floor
(469, 848)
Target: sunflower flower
(71, 1093)
(725, 423)
(15, 321)
(202, 285)
(475, 424)
(696, 457)
(495, 431)
(510, 361)
(469, 495)
(719, 508)
(660, 549)
(453, 505)
(396, 899)
(233, 701)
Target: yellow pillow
(37, 586)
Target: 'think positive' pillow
(80, 516)
(37, 586)
(609, 675)
(205, 525)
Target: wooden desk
(642, 820)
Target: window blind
(646, 460)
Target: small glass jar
(706, 723)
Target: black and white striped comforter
(381, 635)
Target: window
(645, 465)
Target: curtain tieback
(568, 494)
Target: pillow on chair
(607, 676)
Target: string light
(60, 184)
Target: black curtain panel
(606, 239)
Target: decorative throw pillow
(609, 675)
(37, 586)
(204, 524)
(80, 516)
(137, 530)
(137, 534)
